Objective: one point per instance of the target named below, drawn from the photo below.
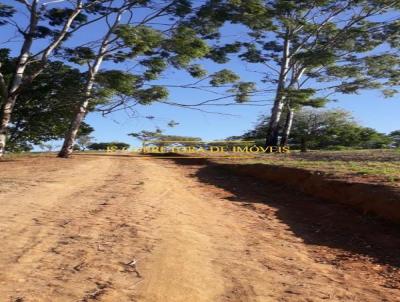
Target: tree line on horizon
(329, 129)
(313, 129)
(307, 51)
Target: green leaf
(224, 76)
(196, 71)
(118, 82)
(140, 39)
(6, 11)
(152, 94)
(243, 91)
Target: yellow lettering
(240, 149)
(214, 149)
(254, 149)
(263, 149)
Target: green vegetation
(305, 53)
(302, 42)
(157, 138)
(368, 165)
(164, 35)
(44, 108)
(327, 129)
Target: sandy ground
(114, 228)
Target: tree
(145, 135)
(84, 141)
(49, 27)
(143, 44)
(46, 147)
(296, 99)
(179, 140)
(107, 146)
(395, 136)
(333, 129)
(157, 138)
(313, 129)
(325, 129)
(44, 107)
(298, 42)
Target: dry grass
(371, 165)
(375, 166)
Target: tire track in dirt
(213, 249)
(76, 242)
(115, 228)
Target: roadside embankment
(379, 199)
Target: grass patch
(373, 165)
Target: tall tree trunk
(288, 127)
(303, 144)
(70, 138)
(10, 94)
(9, 103)
(276, 111)
(296, 76)
(71, 135)
(273, 127)
(6, 111)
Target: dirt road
(114, 228)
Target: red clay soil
(371, 198)
(335, 233)
(117, 228)
(378, 199)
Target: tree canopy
(325, 129)
(299, 43)
(306, 53)
(157, 138)
(103, 146)
(44, 107)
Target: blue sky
(369, 107)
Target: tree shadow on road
(316, 222)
